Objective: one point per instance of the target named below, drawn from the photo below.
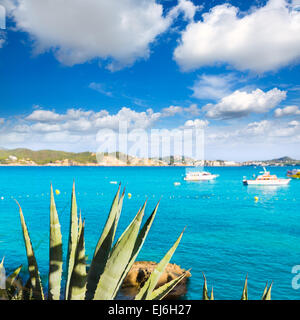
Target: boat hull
(279, 182)
(201, 178)
(295, 176)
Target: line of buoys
(170, 196)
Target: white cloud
(119, 32)
(100, 87)
(212, 86)
(287, 111)
(294, 123)
(192, 110)
(266, 38)
(44, 116)
(79, 31)
(196, 123)
(78, 120)
(171, 111)
(74, 130)
(174, 110)
(241, 103)
(187, 8)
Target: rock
(140, 272)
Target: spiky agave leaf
(73, 240)
(27, 293)
(164, 290)
(119, 258)
(35, 280)
(138, 245)
(120, 206)
(267, 294)
(265, 291)
(205, 291)
(212, 294)
(13, 276)
(79, 225)
(11, 283)
(78, 278)
(104, 245)
(55, 252)
(3, 293)
(245, 290)
(149, 286)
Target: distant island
(27, 157)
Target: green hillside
(47, 156)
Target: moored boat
(266, 179)
(200, 176)
(295, 173)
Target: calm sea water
(228, 234)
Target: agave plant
(266, 294)
(109, 266)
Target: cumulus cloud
(78, 120)
(187, 8)
(44, 116)
(241, 103)
(171, 111)
(79, 31)
(74, 130)
(212, 86)
(119, 32)
(266, 139)
(287, 111)
(266, 38)
(192, 110)
(174, 110)
(196, 123)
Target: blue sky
(68, 70)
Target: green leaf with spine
(73, 239)
(138, 245)
(13, 286)
(35, 280)
(205, 291)
(212, 294)
(79, 274)
(149, 286)
(267, 292)
(165, 289)
(245, 290)
(55, 252)
(104, 246)
(119, 258)
(3, 293)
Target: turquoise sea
(228, 234)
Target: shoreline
(143, 166)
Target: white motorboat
(266, 179)
(200, 176)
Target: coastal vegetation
(109, 266)
(27, 157)
(265, 296)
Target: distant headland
(27, 157)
